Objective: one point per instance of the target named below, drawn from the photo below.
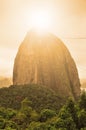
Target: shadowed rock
(44, 59)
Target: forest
(31, 107)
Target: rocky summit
(44, 59)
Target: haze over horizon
(69, 23)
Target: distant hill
(40, 96)
(5, 82)
(83, 84)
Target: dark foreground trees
(72, 116)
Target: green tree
(34, 116)
(2, 123)
(82, 119)
(82, 101)
(10, 113)
(73, 110)
(25, 103)
(65, 120)
(25, 107)
(11, 124)
(46, 114)
(34, 126)
(2, 112)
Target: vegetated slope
(40, 96)
(72, 116)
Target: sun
(41, 20)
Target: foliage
(82, 101)
(71, 116)
(47, 114)
(40, 96)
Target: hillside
(41, 97)
(5, 82)
(83, 84)
(40, 109)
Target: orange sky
(69, 23)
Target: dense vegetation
(29, 116)
(40, 97)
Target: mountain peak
(44, 59)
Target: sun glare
(41, 20)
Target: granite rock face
(44, 59)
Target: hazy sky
(69, 23)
